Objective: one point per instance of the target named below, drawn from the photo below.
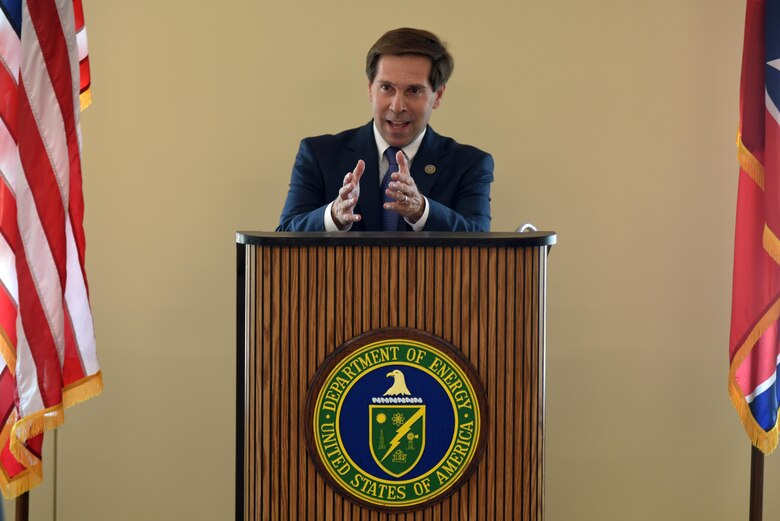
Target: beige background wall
(611, 122)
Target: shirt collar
(410, 150)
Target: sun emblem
(398, 419)
(381, 418)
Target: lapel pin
(430, 169)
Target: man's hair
(413, 41)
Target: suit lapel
(427, 167)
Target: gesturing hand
(343, 208)
(409, 202)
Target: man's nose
(397, 103)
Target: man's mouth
(397, 124)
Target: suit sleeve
(469, 210)
(304, 209)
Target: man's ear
(370, 94)
(439, 93)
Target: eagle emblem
(399, 384)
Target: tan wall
(611, 122)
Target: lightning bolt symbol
(403, 429)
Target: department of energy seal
(395, 419)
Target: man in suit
(400, 174)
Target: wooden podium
(301, 295)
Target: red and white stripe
(49, 342)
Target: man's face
(402, 98)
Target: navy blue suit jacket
(458, 190)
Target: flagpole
(756, 484)
(23, 507)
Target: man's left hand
(409, 202)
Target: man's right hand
(343, 208)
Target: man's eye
(384, 88)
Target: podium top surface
(498, 239)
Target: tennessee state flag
(754, 346)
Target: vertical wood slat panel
(314, 484)
(526, 389)
(291, 352)
(436, 326)
(264, 384)
(466, 303)
(420, 289)
(489, 347)
(253, 315)
(479, 502)
(303, 380)
(499, 370)
(310, 300)
(534, 377)
(274, 349)
(282, 448)
(325, 495)
(537, 325)
(457, 500)
(510, 315)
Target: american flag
(47, 339)
(754, 346)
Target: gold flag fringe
(85, 99)
(749, 163)
(28, 478)
(766, 441)
(31, 426)
(82, 390)
(23, 482)
(45, 420)
(771, 243)
(7, 351)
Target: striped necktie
(389, 217)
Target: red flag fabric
(754, 350)
(47, 339)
